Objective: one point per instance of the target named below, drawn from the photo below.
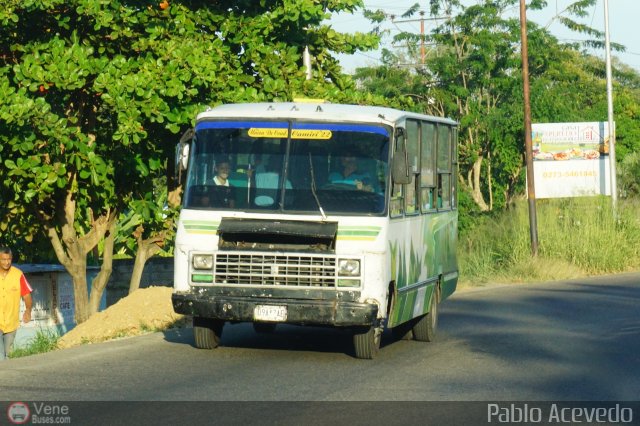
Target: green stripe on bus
(363, 233)
(375, 229)
(200, 226)
(201, 223)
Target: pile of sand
(145, 310)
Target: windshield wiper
(313, 188)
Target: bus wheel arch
(425, 326)
(391, 297)
(402, 331)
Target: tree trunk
(489, 180)
(72, 250)
(146, 250)
(78, 274)
(474, 183)
(101, 280)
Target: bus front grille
(275, 270)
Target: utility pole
(422, 36)
(531, 192)
(422, 20)
(612, 133)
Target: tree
(92, 94)
(472, 74)
(468, 76)
(145, 229)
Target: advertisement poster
(571, 159)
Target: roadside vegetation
(576, 236)
(43, 341)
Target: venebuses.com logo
(18, 413)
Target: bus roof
(315, 111)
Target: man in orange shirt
(13, 285)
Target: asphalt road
(560, 341)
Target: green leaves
(93, 92)
(473, 74)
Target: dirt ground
(146, 310)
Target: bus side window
(413, 150)
(444, 191)
(445, 152)
(427, 166)
(396, 203)
(454, 168)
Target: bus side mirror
(182, 151)
(400, 162)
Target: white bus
(317, 214)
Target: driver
(350, 175)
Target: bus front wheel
(207, 332)
(425, 327)
(366, 342)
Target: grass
(576, 237)
(43, 341)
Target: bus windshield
(289, 166)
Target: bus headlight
(203, 261)
(348, 267)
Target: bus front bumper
(298, 311)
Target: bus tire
(264, 327)
(207, 332)
(366, 342)
(426, 325)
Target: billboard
(571, 159)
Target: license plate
(270, 313)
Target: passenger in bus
(267, 182)
(350, 175)
(222, 194)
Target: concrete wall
(53, 301)
(158, 271)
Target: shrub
(577, 236)
(43, 341)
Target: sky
(624, 16)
